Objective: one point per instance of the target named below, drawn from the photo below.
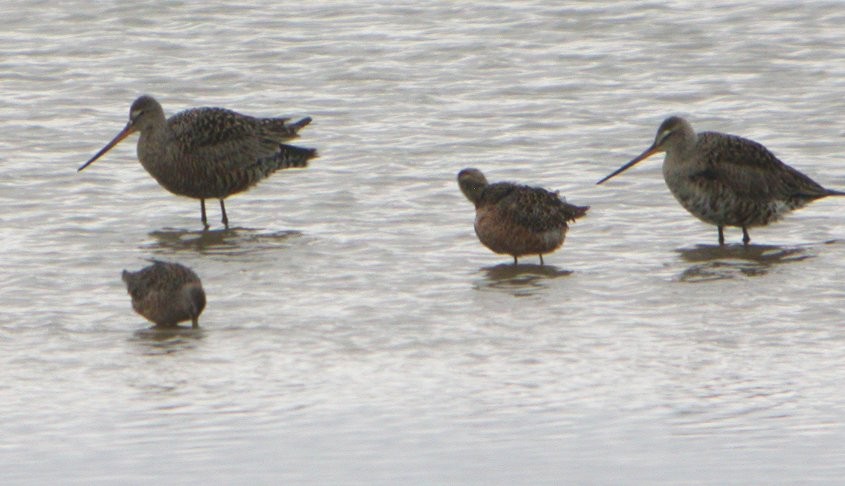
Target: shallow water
(356, 331)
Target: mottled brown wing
(160, 277)
(750, 171)
(540, 210)
(220, 138)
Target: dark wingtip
(293, 156)
(309, 153)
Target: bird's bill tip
(648, 153)
(129, 129)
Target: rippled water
(356, 330)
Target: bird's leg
(195, 322)
(202, 210)
(745, 238)
(541, 259)
(514, 259)
(721, 236)
(225, 219)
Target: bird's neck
(152, 148)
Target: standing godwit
(166, 293)
(206, 153)
(726, 180)
(517, 220)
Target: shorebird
(209, 153)
(166, 293)
(517, 220)
(726, 180)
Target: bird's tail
(296, 126)
(576, 212)
(832, 192)
(291, 156)
(280, 129)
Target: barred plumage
(166, 293)
(517, 220)
(207, 153)
(726, 180)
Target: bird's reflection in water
(714, 262)
(224, 241)
(167, 340)
(520, 280)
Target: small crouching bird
(517, 220)
(166, 293)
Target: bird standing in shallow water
(517, 220)
(206, 153)
(726, 180)
(166, 293)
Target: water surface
(356, 331)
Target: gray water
(356, 331)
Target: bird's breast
(502, 234)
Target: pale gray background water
(356, 331)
